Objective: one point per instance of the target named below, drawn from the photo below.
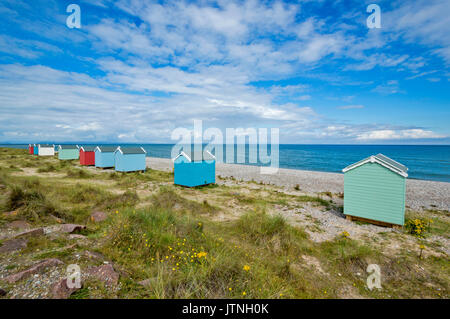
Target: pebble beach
(420, 194)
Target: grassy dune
(230, 240)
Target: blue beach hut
(35, 149)
(104, 156)
(129, 159)
(194, 169)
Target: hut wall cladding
(87, 157)
(35, 150)
(104, 159)
(374, 192)
(129, 162)
(46, 151)
(193, 174)
(30, 149)
(68, 154)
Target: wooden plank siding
(68, 154)
(374, 192)
(193, 174)
(129, 162)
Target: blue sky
(136, 70)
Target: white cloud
(398, 134)
(421, 74)
(378, 60)
(166, 65)
(71, 106)
(28, 49)
(390, 87)
(423, 21)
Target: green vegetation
(210, 242)
(417, 226)
(78, 173)
(317, 200)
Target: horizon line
(153, 143)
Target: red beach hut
(30, 149)
(87, 155)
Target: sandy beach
(420, 194)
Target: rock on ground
(33, 270)
(20, 224)
(97, 217)
(94, 255)
(105, 273)
(13, 245)
(35, 232)
(60, 290)
(71, 228)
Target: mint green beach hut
(68, 152)
(374, 191)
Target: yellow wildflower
(202, 254)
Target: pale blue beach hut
(129, 159)
(104, 156)
(194, 169)
(35, 149)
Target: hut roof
(106, 149)
(87, 148)
(382, 160)
(131, 150)
(45, 145)
(196, 156)
(68, 147)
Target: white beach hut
(46, 150)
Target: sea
(427, 162)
